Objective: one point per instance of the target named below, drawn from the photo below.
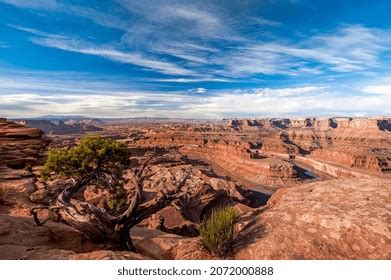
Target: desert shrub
(96, 161)
(218, 232)
(95, 156)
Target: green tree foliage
(218, 232)
(100, 160)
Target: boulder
(16, 193)
(154, 243)
(41, 196)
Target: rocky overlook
(304, 188)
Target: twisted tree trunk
(96, 223)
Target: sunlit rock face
(335, 219)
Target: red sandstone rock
(338, 219)
(20, 145)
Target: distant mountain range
(58, 118)
(83, 119)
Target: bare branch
(140, 171)
(139, 178)
(66, 195)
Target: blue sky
(195, 59)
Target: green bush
(218, 232)
(95, 161)
(92, 156)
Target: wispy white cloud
(113, 104)
(105, 51)
(311, 100)
(305, 101)
(105, 19)
(179, 19)
(24, 94)
(352, 48)
(35, 31)
(179, 38)
(188, 12)
(263, 21)
(195, 47)
(183, 55)
(294, 2)
(51, 84)
(192, 80)
(378, 86)
(79, 83)
(246, 62)
(206, 42)
(186, 30)
(74, 45)
(378, 89)
(198, 90)
(201, 90)
(195, 55)
(35, 4)
(4, 45)
(285, 92)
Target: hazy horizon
(68, 117)
(195, 59)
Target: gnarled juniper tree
(102, 163)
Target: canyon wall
(270, 153)
(359, 143)
(374, 124)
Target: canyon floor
(304, 188)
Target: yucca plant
(218, 232)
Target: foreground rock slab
(20, 238)
(336, 219)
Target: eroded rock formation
(274, 153)
(21, 148)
